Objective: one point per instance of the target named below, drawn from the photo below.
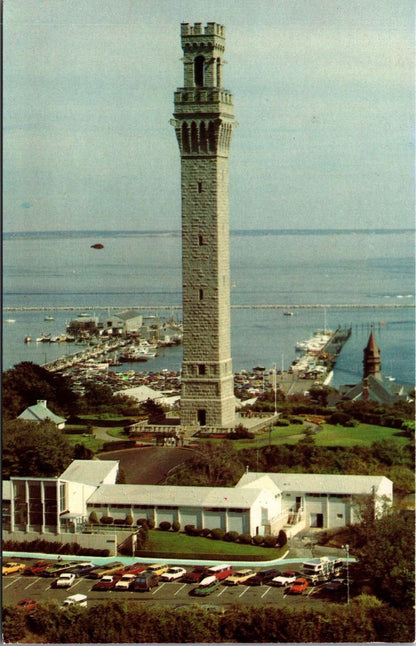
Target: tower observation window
(199, 71)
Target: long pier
(90, 308)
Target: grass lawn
(86, 440)
(329, 435)
(188, 545)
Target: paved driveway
(148, 465)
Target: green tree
(27, 382)
(34, 449)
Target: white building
(260, 503)
(40, 412)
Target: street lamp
(275, 388)
(347, 553)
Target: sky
(323, 96)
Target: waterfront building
(204, 122)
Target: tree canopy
(34, 449)
(27, 382)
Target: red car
(135, 568)
(299, 586)
(196, 576)
(37, 568)
(107, 582)
(27, 604)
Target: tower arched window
(185, 138)
(203, 137)
(211, 137)
(219, 79)
(199, 71)
(194, 137)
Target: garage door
(214, 519)
(238, 522)
(189, 516)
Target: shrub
(217, 533)
(245, 539)
(165, 525)
(93, 518)
(270, 541)
(142, 522)
(282, 538)
(129, 519)
(107, 520)
(176, 526)
(150, 523)
(231, 537)
(190, 530)
(257, 540)
(204, 532)
(339, 418)
(281, 422)
(119, 521)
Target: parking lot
(173, 593)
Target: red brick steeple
(372, 361)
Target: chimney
(42, 402)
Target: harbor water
(284, 286)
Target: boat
(287, 313)
(49, 318)
(10, 320)
(97, 245)
(28, 339)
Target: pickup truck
(286, 578)
(65, 580)
(126, 582)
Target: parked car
(75, 600)
(27, 604)
(145, 581)
(158, 568)
(83, 568)
(286, 578)
(240, 576)
(336, 586)
(134, 568)
(262, 577)
(12, 568)
(196, 575)
(173, 573)
(107, 582)
(59, 568)
(37, 568)
(65, 580)
(220, 571)
(298, 586)
(126, 582)
(207, 586)
(110, 568)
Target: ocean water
(326, 278)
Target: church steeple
(372, 360)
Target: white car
(65, 580)
(286, 578)
(125, 582)
(173, 573)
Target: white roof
(89, 472)
(316, 482)
(141, 393)
(176, 496)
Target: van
(220, 571)
(75, 600)
(145, 582)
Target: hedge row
(52, 547)
(219, 534)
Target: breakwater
(92, 308)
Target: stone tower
(203, 121)
(372, 360)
